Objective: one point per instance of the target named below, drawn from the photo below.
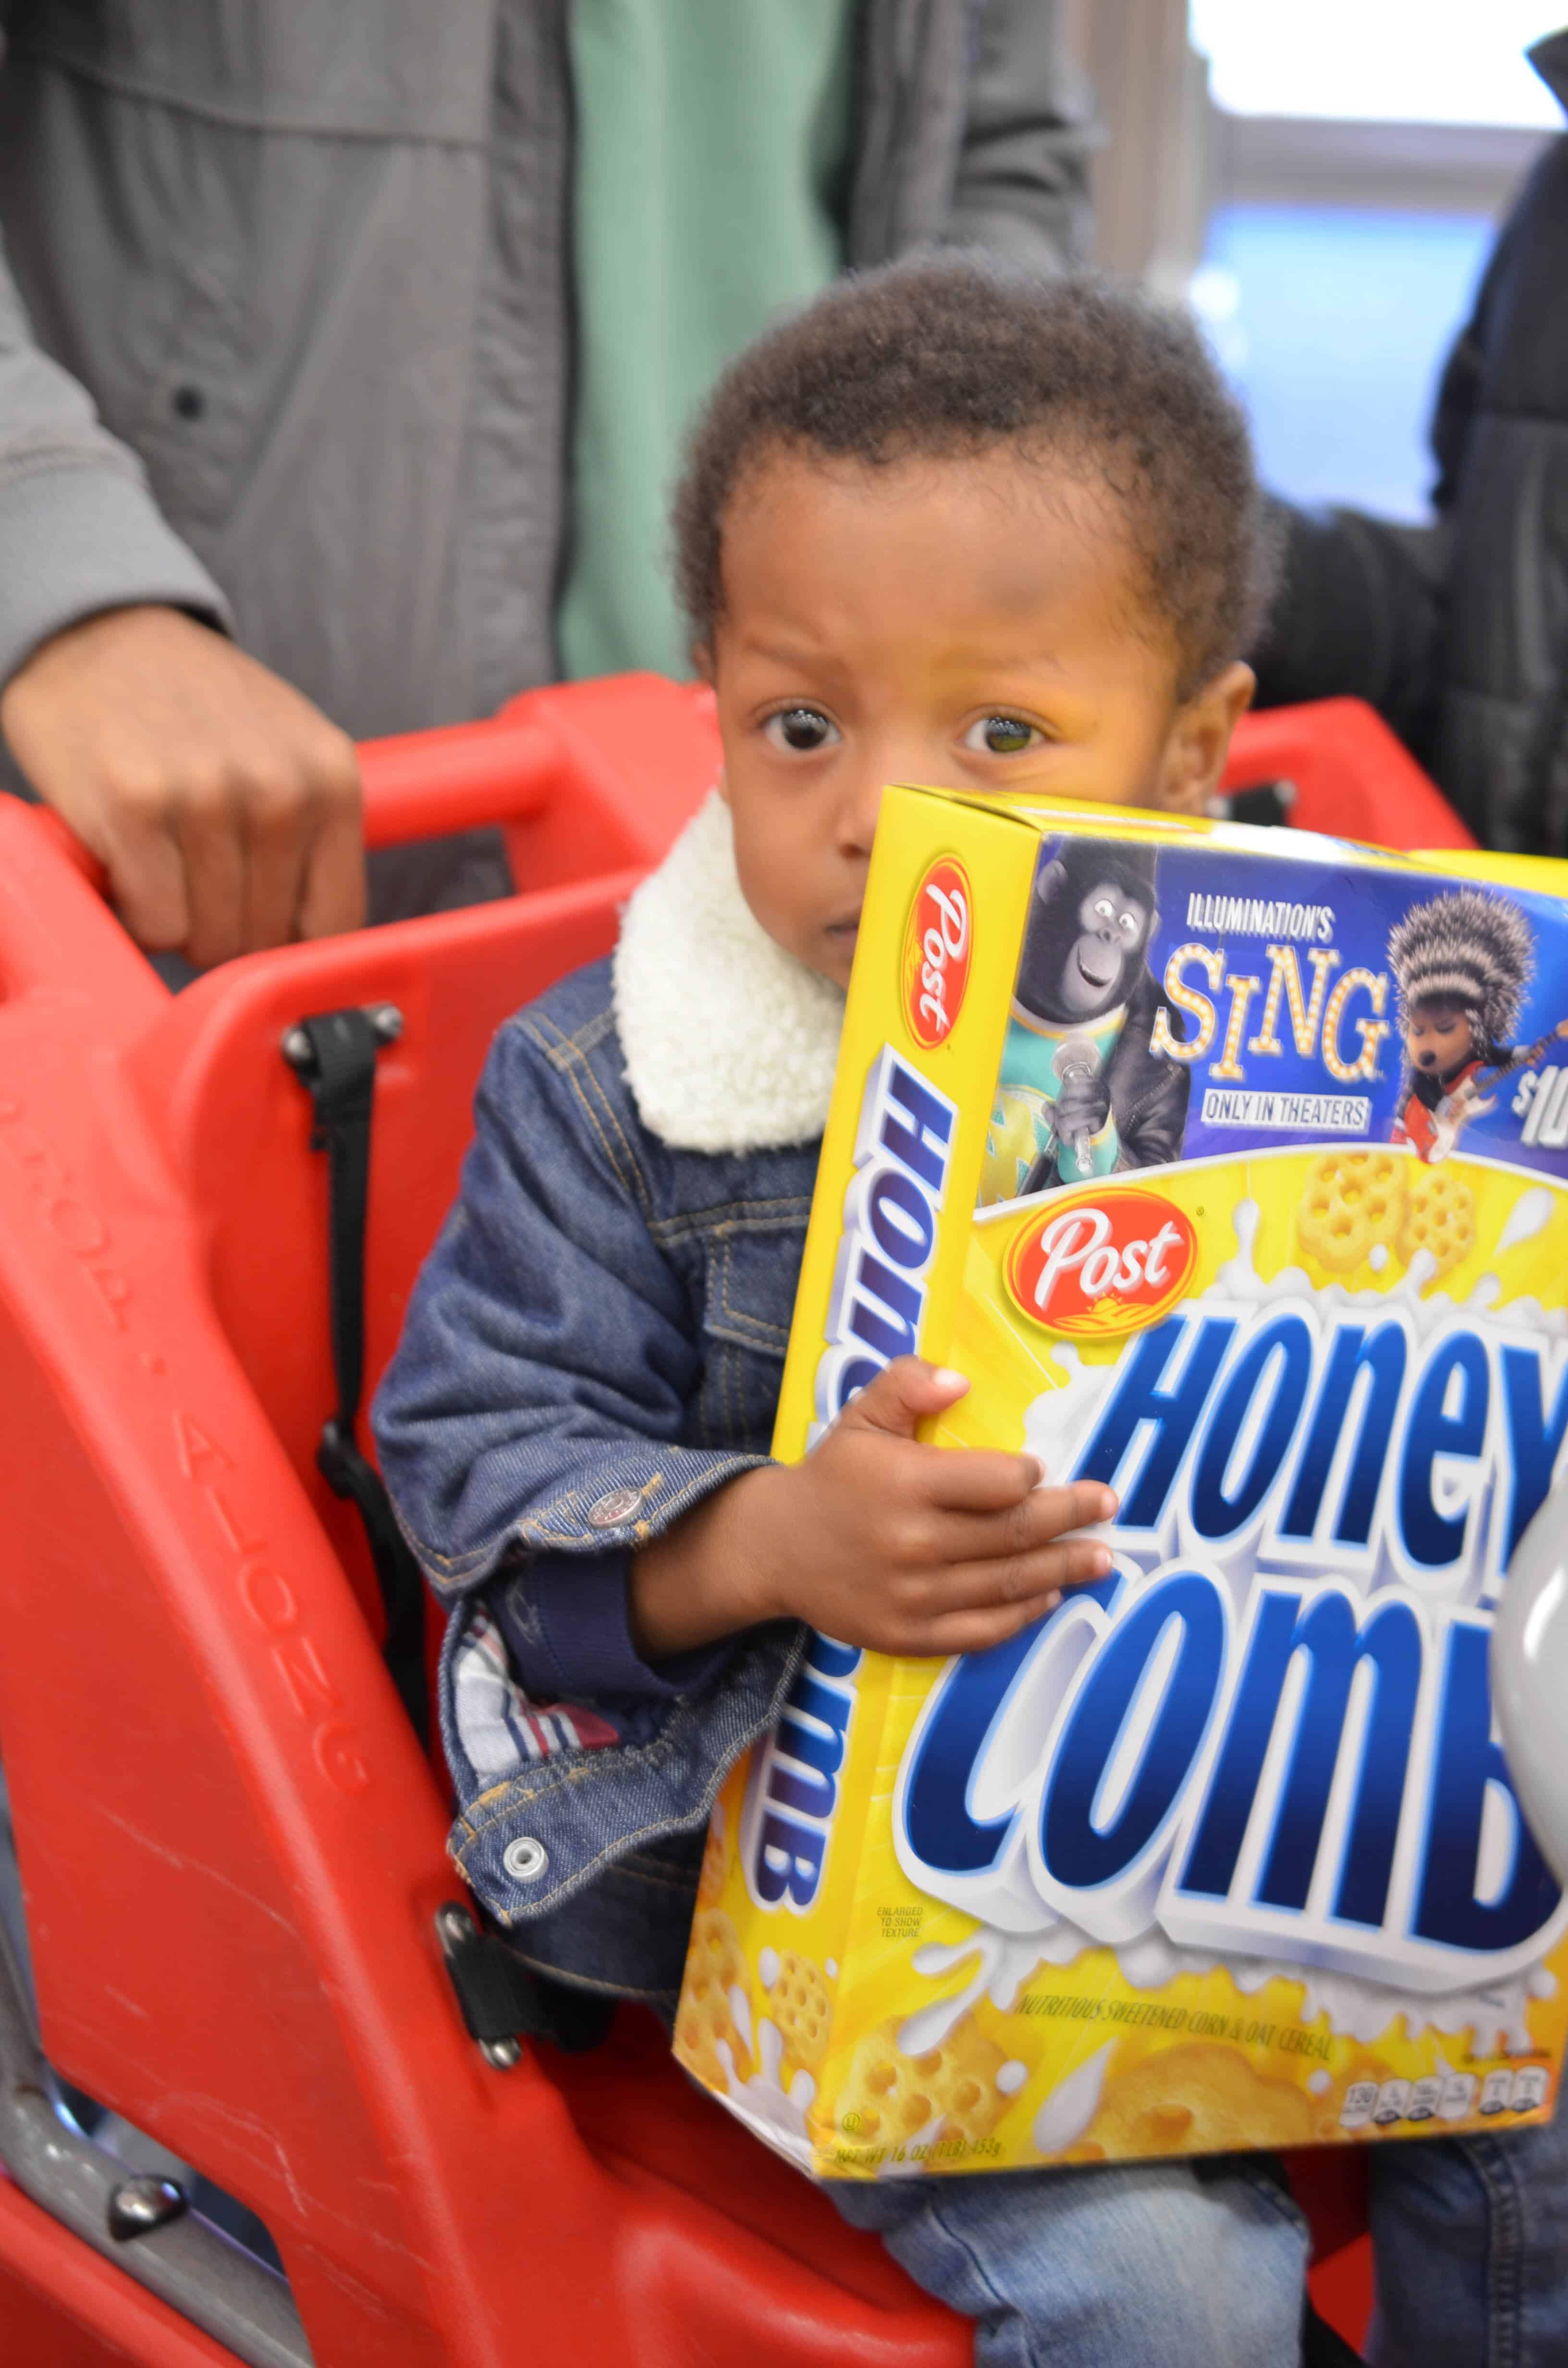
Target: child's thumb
(902, 1395)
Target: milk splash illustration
(776, 2112)
(1072, 2104)
(1016, 1932)
(1529, 1215)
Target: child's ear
(1199, 740)
(702, 667)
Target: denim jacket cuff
(531, 1840)
(566, 1623)
(619, 1495)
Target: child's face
(972, 622)
(1438, 1037)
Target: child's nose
(891, 758)
(857, 812)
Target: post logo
(938, 941)
(1113, 1264)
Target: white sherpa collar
(730, 1041)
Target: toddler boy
(952, 527)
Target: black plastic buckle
(503, 2002)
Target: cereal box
(1232, 1167)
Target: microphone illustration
(1078, 1063)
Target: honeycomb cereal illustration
(1198, 2098)
(1440, 1218)
(972, 2102)
(888, 2098)
(710, 1882)
(705, 2017)
(800, 2003)
(1353, 1203)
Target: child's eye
(1001, 735)
(800, 728)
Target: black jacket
(1459, 633)
(1148, 1092)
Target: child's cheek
(760, 887)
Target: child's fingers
(1079, 1505)
(902, 1395)
(977, 1631)
(976, 1480)
(1033, 1520)
(1018, 1578)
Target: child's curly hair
(957, 354)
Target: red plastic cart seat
(231, 1848)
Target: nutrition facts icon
(1497, 2091)
(1529, 2087)
(1424, 2099)
(1393, 2100)
(1359, 2098)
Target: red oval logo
(1115, 1261)
(938, 942)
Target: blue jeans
(1203, 2265)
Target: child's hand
(877, 1538)
(908, 1548)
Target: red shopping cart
(231, 1843)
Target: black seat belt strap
(503, 2001)
(334, 1055)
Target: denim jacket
(596, 1342)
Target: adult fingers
(332, 896)
(211, 836)
(131, 836)
(225, 805)
(280, 821)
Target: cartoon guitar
(1469, 1098)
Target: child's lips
(844, 932)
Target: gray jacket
(254, 357)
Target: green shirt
(711, 144)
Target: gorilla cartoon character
(1080, 1093)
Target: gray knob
(139, 2205)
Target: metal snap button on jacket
(524, 1860)
(607, 1512)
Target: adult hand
(224, 806)
(877, 1538)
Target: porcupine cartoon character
(1079, 1092)
(1461, 963)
